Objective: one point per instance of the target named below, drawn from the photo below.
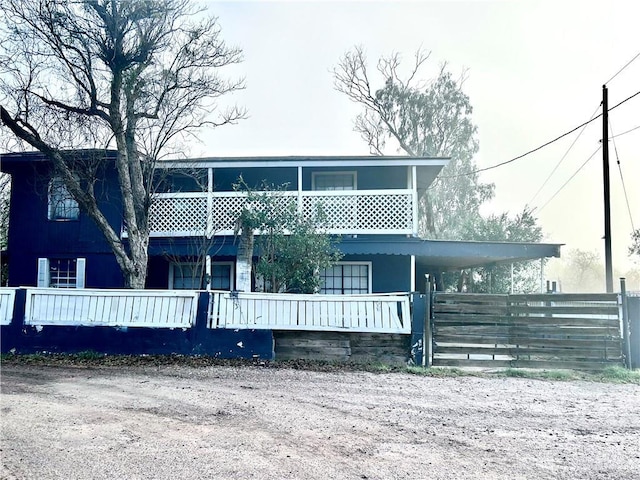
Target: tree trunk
(245, 258)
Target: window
(61, 272)
(62, 206)
(346, 278)
(221, 276)
(190, 276)
(333, 180)
(186, 276)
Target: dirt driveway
(253, 422)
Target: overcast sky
(535, 70)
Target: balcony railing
(346, 212)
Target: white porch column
(416, 207)
(210, 231)
(299, 189)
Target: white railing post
(414, 197)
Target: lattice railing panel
(178, 214)
(340, 213)
(343, 213)
(226, 210)
(388, 212)
(385, 212)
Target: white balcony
(347, 212)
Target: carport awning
(430, 254)
(447, 254)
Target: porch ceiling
(449, 255)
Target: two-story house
(371, 202)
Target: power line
(570, 178)
(624, 133)
(473, 172)
(624, 188)
(562, 159)
(625, 66)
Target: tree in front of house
(138, 76)
(522, 277)
(634, 249)
(292, 248)
(5, 198)
(431, 119)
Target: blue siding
(389, 273)
(32, 235)
(224, 178)
(198, 340)
(368, 178)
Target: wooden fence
(115, 308)
(383, 313)
(538, 331)
(7, 299)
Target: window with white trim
(61, 272)
(325, 181)
(186, 276)
(221, 275)
(62, 205)
(191, 276)
(345, 278)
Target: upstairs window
(62, 206)
(333, 181)
(346, 279)
(61, 272)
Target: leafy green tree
(503, 228)
(292, 248)
(634, 249)
(138, 76)
(433, 119)
(421, 119)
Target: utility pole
(608, 266)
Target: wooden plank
(565, 297)
(564, 309)
(310, 343)
(455, 319)
(462, 308)
(573, 365)
(609, 352)
(507, 340)
(470, 297)
(304, 352)
(522, 330)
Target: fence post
(418, 317)
(633, 320)
(625, 323)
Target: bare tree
(421, 118)
(140, 76)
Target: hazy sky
(535, 70)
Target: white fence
(384, 313)
(115, 308)
(7, 299)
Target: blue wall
(197, 340)
(32, 235)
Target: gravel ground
(177, 422)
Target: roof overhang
(307, 161)
(452, 255)
(432, 255)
